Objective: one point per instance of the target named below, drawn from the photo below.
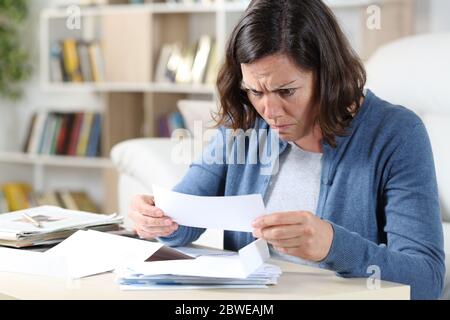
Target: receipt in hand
(234, 213)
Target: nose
(272, 106)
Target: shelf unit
(55, 161)
(132, 99)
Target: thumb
(148, 199)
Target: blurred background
(78, 77)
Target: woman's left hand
(296, 233)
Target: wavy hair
(308, 33)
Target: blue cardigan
(378, 190)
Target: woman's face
(283, 94)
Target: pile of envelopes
(246, 269)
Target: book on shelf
(201, 59)
(32, 125)
(36, 129)
(17, 196)
(84, 133)
(75, 133)
(85, 61)
(64, 133)
(184, 70)
(73, 60)
(3, 202)
(57, 73)
(167, 123)
(97, 62)
(212, 69)
(194, 64)
(162, 73)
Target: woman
(354, 186)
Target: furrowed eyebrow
(284, 85)
(246, 86)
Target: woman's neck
(312, 142)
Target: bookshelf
(55, 161)
(132, 98)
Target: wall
(440, 16)
(432, 16)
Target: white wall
(433, 16)
(440, 16)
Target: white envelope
(93, 252)
(240, 266)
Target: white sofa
(414, 72)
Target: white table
(297, 282)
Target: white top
(295, 187)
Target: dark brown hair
(308, 33)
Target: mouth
(281, 127)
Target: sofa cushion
(438, 129)
(413, 72)
(152, 160)
(197, 115)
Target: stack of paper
(243, 270)
(49, 224)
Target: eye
(254, 92)
(286, 92)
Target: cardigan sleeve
(413, 253)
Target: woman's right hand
(150, 221)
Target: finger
(156, 222)
(281, 218)
(148, 199)
(284, 232)
(287, 243)
(146, 205)
(143, 220)
(153, 229)
(289, 251)
(157, 231)
(152, 211)
(144, 235)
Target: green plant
(14, 67)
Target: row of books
(73, 60)
(17, 196)
(167, 123)
(64, 133)
(194, 64)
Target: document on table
(234, 213)
(30, 262)
(92, 252)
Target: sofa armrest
(147, 161)
(151, 161)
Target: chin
(285, 136)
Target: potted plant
(14, 67)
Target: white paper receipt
(234, 213)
